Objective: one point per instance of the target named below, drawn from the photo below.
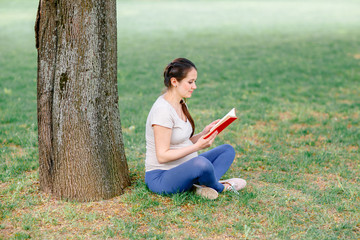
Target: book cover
(223, 123)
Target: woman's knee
(230, 149)
(202, 164)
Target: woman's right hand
(205, 143)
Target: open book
(223, 123)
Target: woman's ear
(174, 82)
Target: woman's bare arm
(162, 145)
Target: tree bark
(81, 151)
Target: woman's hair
(178, 69)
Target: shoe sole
(206, 192)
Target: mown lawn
(291, 69)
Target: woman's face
(186, 86)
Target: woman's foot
(233, 184)
(206, 192)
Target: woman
(172, 163)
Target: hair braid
(188, 115)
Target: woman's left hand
(208, 127)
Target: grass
(291, 68)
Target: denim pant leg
(221, 157)
(205, 169)
(198, 170)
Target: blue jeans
(205, 169)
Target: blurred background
(290, 68)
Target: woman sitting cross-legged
(172, 162)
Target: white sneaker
(206, 192)
(235, 184)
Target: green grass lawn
(291, 69)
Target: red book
(223, 123)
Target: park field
(290, 68)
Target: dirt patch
(338, 116)
(298, 127)
(344, 101)
(329, 180)
(263, 126)
(52, 215)
(319, 115)
(285, 116)
(16, 150)
(352, 148)
(355, 116)
(356, 56)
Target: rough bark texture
(81, 151)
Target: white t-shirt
(163, 114)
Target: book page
(229, 114)
(223, 123)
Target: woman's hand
(206, 130)
(205, 143)
(209, 127)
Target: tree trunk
(81, 151)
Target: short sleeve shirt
(163, 114)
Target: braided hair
(178, 69)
